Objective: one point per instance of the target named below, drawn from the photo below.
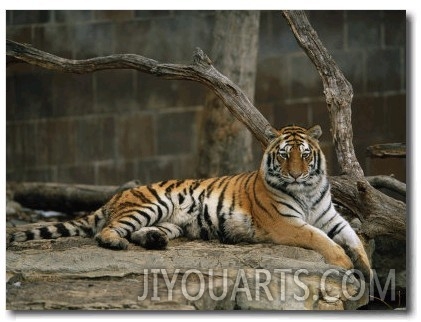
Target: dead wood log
(66, 198)
(380, 214)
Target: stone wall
(112, 126)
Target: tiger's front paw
(362, 265)
(344, 262)
(338, 257)
(361, 262)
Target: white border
(412, 66)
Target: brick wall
(112, 126)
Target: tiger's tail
(85, 227)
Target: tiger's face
(294, 157)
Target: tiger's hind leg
(111, 238)
(117, 233)
(156, 237)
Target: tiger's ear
(271, 134)
(315, 132)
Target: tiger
(286, 201)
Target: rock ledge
(74, 273)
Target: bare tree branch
(387, 150)
(337, 89)
(200, 71)
(388, 182)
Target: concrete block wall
(113, 126)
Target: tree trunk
(225, 144)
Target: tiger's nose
(295, 174)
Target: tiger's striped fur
(287, 201)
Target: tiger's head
(293, 157)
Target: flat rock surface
(74, 273)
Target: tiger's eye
(283, 154)
(305, 154)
